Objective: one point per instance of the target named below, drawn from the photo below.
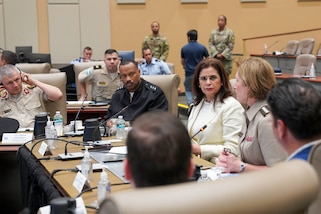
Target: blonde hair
(258, 76)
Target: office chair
(291, 47)
(303, 64)
(315, 161)
(319, 51)
(305, 46)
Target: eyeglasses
(211, 78)
(228, 150)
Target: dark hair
(88, 48)
(225, 90)
(192, 34)
(224, 17)
(298, 104)
(159, 150)
(110, 51)
(10, 57)
(128, 61)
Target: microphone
(201, 129)
(80, 108)
(71, 156)
(273, 44)
(104, 121)
(267, 47)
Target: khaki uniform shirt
(23, 107)
(258, 145)
(103, 85)
(158, 45)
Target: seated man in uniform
(151, 65)
(136, 96)
(86, 56)
(104, 79)
(22, 97)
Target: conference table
(40, 185)
(285, 62)
(316, 80)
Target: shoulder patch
(97, 67)
(151, 87)
(121, 87)
(264, 111)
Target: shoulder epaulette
(151, 86)
(30, 86)
(97, 67)
(121, 87)
(264, 111)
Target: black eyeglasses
(211, 78)
(227, 150)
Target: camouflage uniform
(24, 107)
(103, 85)
(158, 45)
(222, 42)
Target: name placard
(16, 138)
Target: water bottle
(87, 165)
(58, 122)
(103, 186)
(312, 71)
(120, 133)
(51, 133)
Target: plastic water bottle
(103, 186)
(312, 71)
(87, 165)
(120, 133)
(50, 132)
(58, 122)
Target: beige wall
(130, 23)
(254, 24)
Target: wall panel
(20, 24)
(64, 32)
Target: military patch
(7, 111)
(102, 84)
(4, 94)
(97, 67)
(26, 91)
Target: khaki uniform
(158, 45)
(25, 106)
(257, 144)
(103, 85)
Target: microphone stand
(105, 121)
(77, 115)
(201, 129)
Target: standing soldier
(158, 44)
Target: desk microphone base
(71, 156)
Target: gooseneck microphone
(105, 121)
(201, 129)
(80, 108)
(74, 143)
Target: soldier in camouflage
(157, 43)
(221, 44)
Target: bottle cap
(48, 121)
(103, 174)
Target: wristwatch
(242, 167)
